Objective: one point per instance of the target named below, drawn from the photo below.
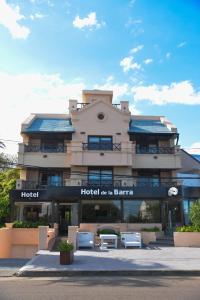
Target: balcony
(45, 157)
(157, 158)
(102, 154)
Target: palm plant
(2, 145)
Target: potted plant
(66, 252)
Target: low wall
(187, 239)
(25, 242)
(5, 242)
(93, 227)
(147, 237)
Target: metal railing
(154, 150)
(102, 146)
(45, 148)
(81, 105)
(101, 183)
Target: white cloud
(119, 90)
(148, 61)
(194, 148)
(10, 17)
(128, 63)
(89, 22)
(28, 93)
(36, 16)
(137, 49)
(134, 110)
(168, 55)
(48, 2)
(181, 45)
(110, 78)
(177, 92)
(135, 26)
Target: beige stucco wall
(5, 242)
(25, 236)
(25, 242)
(157, 161)
(45, 160)
(85, 120)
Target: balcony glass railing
(45, 148)
(154, 150)
(102, 146)
(107, 183)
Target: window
(136, 211)
(101, 211)
(100, 176)
(100, 143)
(148, 179)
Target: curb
(108, 273)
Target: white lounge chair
(85, 239)
(131, 239)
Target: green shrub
(28, 224)
(2, 225)
(151, 229)
(65, 246)
(107, 231)
(195, 214)
(188, 228)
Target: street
(90, 288)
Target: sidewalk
(9, 266)
(148, 261)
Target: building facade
(98, 164)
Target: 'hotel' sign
(29, 194)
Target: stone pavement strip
(148, 261)
(9, 266)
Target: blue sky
(147, 52)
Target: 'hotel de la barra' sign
(75, 193)
(107, 192)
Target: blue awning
(148, 126)
(50, 125)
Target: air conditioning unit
(124, 182)
(79, 182)
(19, 184)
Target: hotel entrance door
(64, 218)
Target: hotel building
(98, 164)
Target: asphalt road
(100, 288)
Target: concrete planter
(187, 239)
(148, 237)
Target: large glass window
(101, 211)
(148, 179)
(100, 176)
(100, 142)
(142, 211)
